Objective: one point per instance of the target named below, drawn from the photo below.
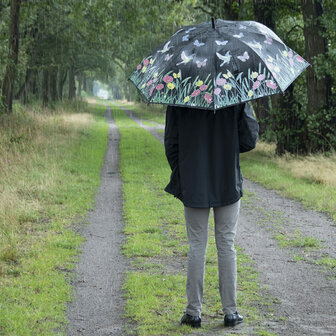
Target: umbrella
(217, 64)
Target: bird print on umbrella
(225, 58)
(185, 58)
(165, 48)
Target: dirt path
(98, 307)
(305, 292)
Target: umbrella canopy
(217, 64)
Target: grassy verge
(156, 243)
(307, 179)
(49, 171)
(154, 112)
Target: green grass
(265, 169)
(155, 235)
(48, 183)
(296, 239)
(154, 112)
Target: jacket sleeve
(248, 129)
(171, 137)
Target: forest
(54, 50)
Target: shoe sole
(192, 325)
(232, 324)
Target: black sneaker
(230, 320)
(193, 321)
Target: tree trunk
(33, 83)
(62, 76)
(72, 83)
(45, 86)
(79, 92)
(24, 88)
(8, 83)
(84, 83)
(317, 89)
(53, 84)
(264, 13)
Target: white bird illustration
(254, 45)
(225, 59)
(185, 58)
(165, 48)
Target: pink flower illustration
(221, 81)
(196, 93)
(256, 84)
(299, 58)
(271, 84)
(217, 91)
(146, 62)
(203, 87)
(150, 82)
(290, 53)
(291, 62)
(139, 67)
(167, 79)
(151, 90)
(208, 97)
(159, 87)
(261, 77)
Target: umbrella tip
(213, 22)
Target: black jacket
(202, 148)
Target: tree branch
(204, 10)
(296, 26)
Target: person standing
(202, 148)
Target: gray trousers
(226, 221)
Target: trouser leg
(226, 222)
(197, 232)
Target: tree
(13, 54)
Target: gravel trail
(98, 305)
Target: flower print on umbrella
(208, 98)
(221, 81)
(271, 84)
(203, 87)
(171, 86)
(167, 79)
(256, 84)
(139, 67)
(145, 62)
(151, 90)
(217, 91)
(159, 87)
(196, 93)
(299, 59)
